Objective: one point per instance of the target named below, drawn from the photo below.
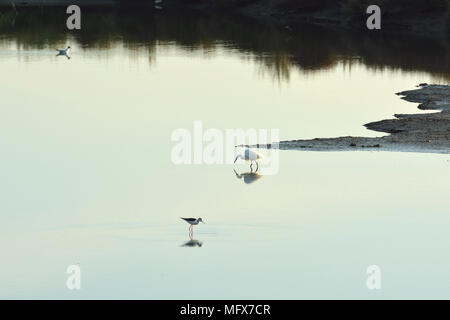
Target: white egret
(251, 156)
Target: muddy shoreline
(425, 132)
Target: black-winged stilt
(193, 222)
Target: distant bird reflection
(192, 242)
(249, 177)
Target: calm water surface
(86, 175)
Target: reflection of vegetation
(277, 50)
(417, 7)
(7, 19)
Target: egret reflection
(248, 177)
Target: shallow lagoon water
(87, 178)
(308, 232)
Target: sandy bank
(428, 132)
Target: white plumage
(249, 155)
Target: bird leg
(257, 166)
